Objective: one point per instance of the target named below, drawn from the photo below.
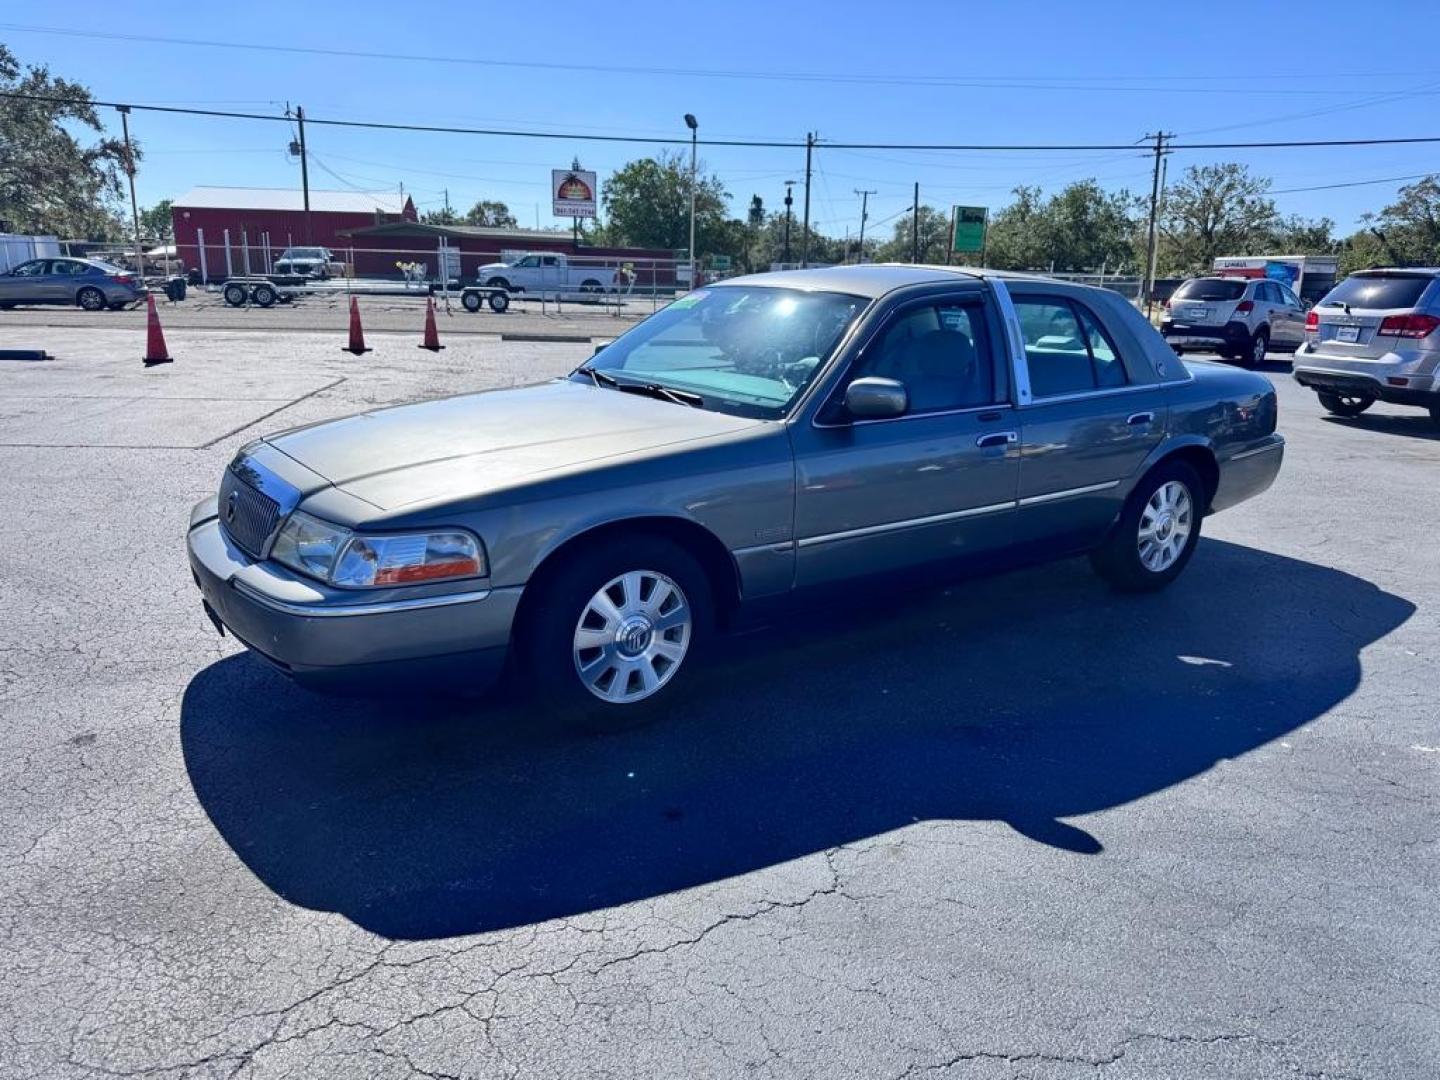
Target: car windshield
(742, 349)
(304, 253)
(1378, 291)
(1210, 288)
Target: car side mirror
(874, 398)
(598, 346)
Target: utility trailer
(475, 297)
(258, 290)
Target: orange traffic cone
(432, 336)
(155, 351)
(357, 336)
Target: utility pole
(789, 216)
(864, 213)
(1150, 245)
(447, 204)
(124, 111)
(805, 237)
(915, 227)
(305, 173)
(694, 126)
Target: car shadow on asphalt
(1413, 425)
(1025, 698)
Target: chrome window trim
(386, 607)
(907, 523)
(1052, 496)
(1002, 406)
(1085, 395)
(1015, 340)
(1257, 450)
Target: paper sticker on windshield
(690, 299)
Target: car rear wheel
(1156, 533)
(1345, 404)
(614, 632)
(91, 299)
(498, 283)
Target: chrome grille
(248, 516)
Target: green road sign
(719, 262)
(969, 231)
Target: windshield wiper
(604, 378)
(597, 376)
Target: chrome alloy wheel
(1165, 526)
(632, 636)
(1258, 348)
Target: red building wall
(285, 228)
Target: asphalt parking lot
(1018, 827)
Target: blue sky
(1037, 72)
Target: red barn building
(263, 222)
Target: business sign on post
(573, 192)
(969, 232)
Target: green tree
(647, 204)
(1405, 233)
(50, 181)
(1090, 229)
(1302, 236)
(934, 230)
(443, 216)
(491, 213)
(1215, 210)
(1019, 234)
(156, 222)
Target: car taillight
(123, 279)
(1244, 307)
(1312, 322)
(1409, 326)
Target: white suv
(1375, 337)
(1240, 318)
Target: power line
(1353, 183)
(797, 144)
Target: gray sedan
(89, 283)
(751, 444)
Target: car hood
(493, 266)
(465, 446)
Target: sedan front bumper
(323, 636)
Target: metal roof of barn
(334, 202)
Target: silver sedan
(88, 283)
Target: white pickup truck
(546, 272)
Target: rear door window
(1067, 350)
(1210, 289)
(1378, 291)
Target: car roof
(871, 280)
(1419, 270)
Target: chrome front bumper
(316, 634)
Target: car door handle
(1136, 419)
(997, 438)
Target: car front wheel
(1156, 533)
(615, 631)
(1345, 404)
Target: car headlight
(342, 558)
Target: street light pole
(694, 126)
(124, 111)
